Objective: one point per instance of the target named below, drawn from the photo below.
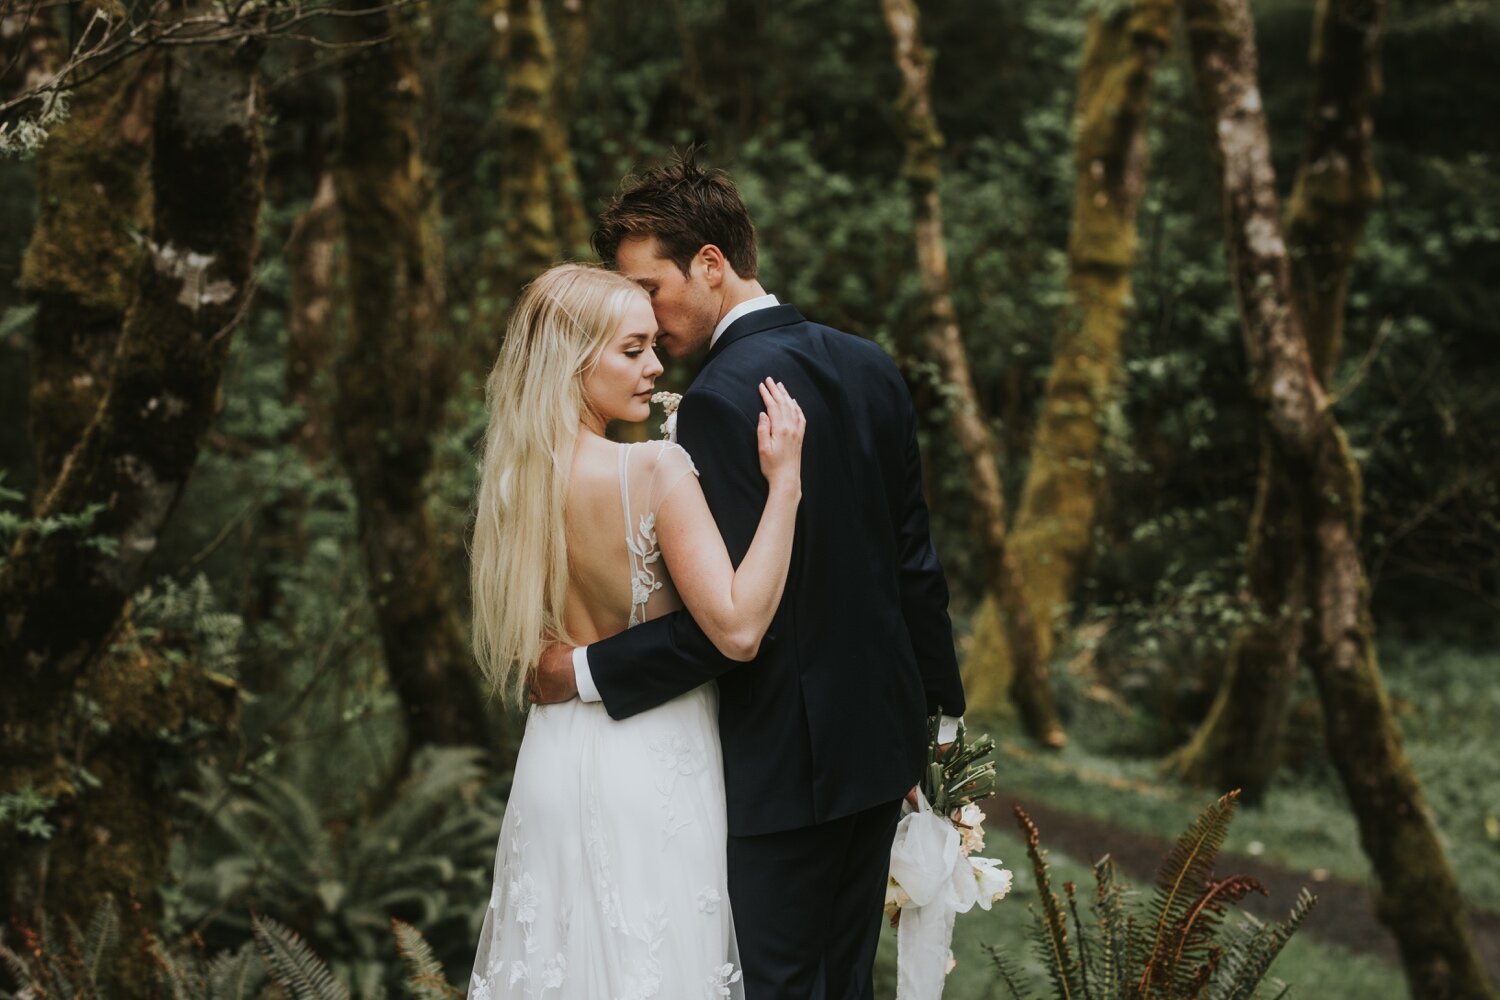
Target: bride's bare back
(604, 576)
(634, 509)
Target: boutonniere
(668, 402)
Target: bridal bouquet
(935, 872)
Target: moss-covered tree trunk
(93, 183)
(1336, 184)
(1237, 745)
(572, 49)
(542, 218)
(1030, 687)
(90, 716)
(394, 375)
(529, 136)
(1053, 533)
(1416, 894)
(280, 537)
(574, 221)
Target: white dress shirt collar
(748, 306)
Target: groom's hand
(554, 680)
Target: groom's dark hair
(684, 206)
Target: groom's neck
(737, 290)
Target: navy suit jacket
(831, 716)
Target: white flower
(994, 881)
(675, 752)
(554, 972)
(708, 900)
(479, 989)
(718, 983)
(971, 829)
(524, 899)
(517, 973)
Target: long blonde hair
(519, 558)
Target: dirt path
(1345, 914)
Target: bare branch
(105, 41)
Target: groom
(825, 731)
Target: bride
(610, 877)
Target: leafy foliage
(1175, 947)
(78, 966)
(293, 964)
(420, 858)
(426, 980)
(72, 964)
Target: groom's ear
(715, 266)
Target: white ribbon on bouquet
(941, 882)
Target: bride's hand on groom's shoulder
(553, 680)
(779, 436)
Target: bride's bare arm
(733, 606)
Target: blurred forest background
(1201, 322)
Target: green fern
(1179, 951)
(1193, 956)
(1008, 973)
(72, 966)
(424, 857)
(1180, 882)
(427, 980)
(100, 941)
(18, 968)
(1116, 929)
(236, 975)
(293, 965)
(1050, 928)
(1249, 959)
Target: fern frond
(427, 980)
(1085, 974)
(1192, 937)
(1115, 929)
(292, 963)
(1052, 926)
(1179, 881)
(15, 965)
(439, 776)
(298, 825)
(173, 974)
(1006, 970)
(236, 975)
(61, 966)
(369, 981)
(1249, 957)
(101, 939)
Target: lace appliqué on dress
(640, 536)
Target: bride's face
(619, 386)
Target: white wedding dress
(610, 879)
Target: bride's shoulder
(671, 455)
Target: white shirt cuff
(947, 724)
(582, 676)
